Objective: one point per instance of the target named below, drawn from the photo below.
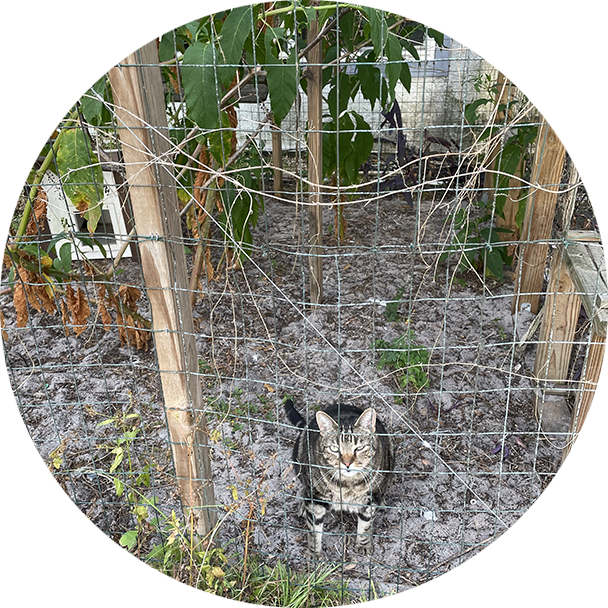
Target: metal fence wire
(325, 203)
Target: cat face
(349, 449)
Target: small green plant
(126, 478)
(407, 358)
(391, 313)
(478, 242)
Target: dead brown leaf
(65, 319)
(38, 216)
(20, 302)
(106, 318)
(79, 309)
(3, 325)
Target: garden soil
(471, 456)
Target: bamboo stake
(138, 95)
(315, 164)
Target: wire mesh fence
(200, 239)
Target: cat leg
(364, 530)
(314, 514)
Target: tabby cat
(343, 458)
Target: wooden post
(540, 210)
(277, 158)
(315, 164)
(140, 110)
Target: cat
(344, 458)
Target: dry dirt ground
(470, 455)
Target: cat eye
(334, 449)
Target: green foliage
(201, 88)
(94, 103)
(478, 242)
(391, 313)
(281, 74)
(517, 140)
(241, 210)
(407, 358)
(81, 175)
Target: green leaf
(128, 539)
(369, 75)
(406, 76)
(494, 263)
(65, 257)
(118, 486)
(166, 47)
(235, 31)
(378, 29)
(282, 79)
(509, 161)
(119, 455)
(410, 48)
(521, 212)
(347, 31)
(470, 110)
(364, 140)
(339, 95)
(81, 175)
(395, 62)
(104, 422)
(92, 103)
(201, 89)
(528, 135)
(220, 141)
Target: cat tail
(294, 416)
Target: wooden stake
(540, 210)
(277, 158)
(140, 111)
(315, 164)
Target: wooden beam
(585, 263)
(540, 210)
(558, 326)
(142, 125)
(315, 164)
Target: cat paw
(363, 549)
(311, 554)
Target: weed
(407, 358)
(391, 313)
(501, 332)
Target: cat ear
(367, 420)
(326, 423)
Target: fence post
(315, 163)
(142, 125)
(540, 210)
